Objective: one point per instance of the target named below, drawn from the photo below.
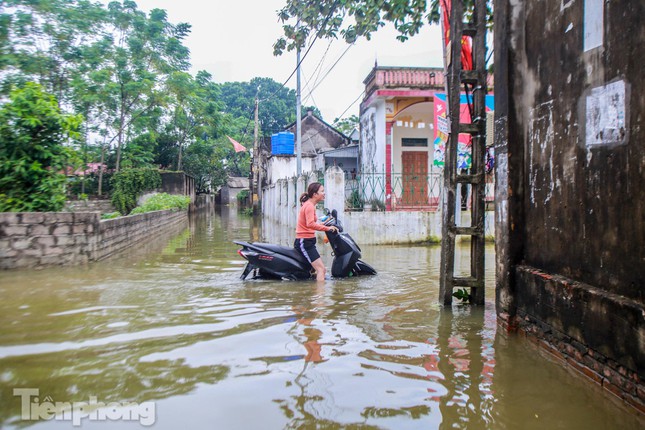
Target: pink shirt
(308, 222)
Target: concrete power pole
(298, 117)
(256, 159)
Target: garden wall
(103, 206)
(41, 239)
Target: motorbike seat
(283, 250)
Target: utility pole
(256, 157)
(298, 117)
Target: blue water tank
(282, 143)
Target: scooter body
(270, 261)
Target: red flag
(466, 42)
(236, 145)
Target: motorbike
(268, 261)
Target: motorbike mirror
(334, 214)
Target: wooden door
(414, 178)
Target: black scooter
(269, 261)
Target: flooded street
(171, 324)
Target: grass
(162, 201)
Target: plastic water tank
(282, 143)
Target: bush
(377, 205)
(111, 215)
(161, 202)
(33, 155)
(354, 201)
(129, 184)
(242, 195)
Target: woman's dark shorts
(307, 247)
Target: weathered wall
(285, 166)
(64, 238)
(47, 238)
(178, 183)
(115, 235)
(571, 185)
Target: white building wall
(372, 147)
(401, 131)
(280, 167)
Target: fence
(409, 191)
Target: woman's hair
(311, 190)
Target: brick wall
(120, 233)
(41, 239)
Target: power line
(350, 105)
(329, 70)
(331, 11)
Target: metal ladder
(474, 83)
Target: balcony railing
(404, 77)
(409, 77)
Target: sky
(233, 41)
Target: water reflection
(177, 326)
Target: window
(414, 141)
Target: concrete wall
(569, 133)
(103, 206)
(285, 166)
(178, 183)
(34, 240)
(229, 195)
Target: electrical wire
(328, 71)
(331, 11)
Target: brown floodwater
(170, 326)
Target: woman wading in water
(308, 225)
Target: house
(234, 186)
(403, 130)
(322, 146)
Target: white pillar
(292, 202)
(335, 189)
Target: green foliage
(88, 184)
(138, 154)
(33, 156)
(111, 215)
(462, 294)
(277, 103)
(162, 202)
(247, 211)
(377, 205)
(129, 184)
(205, 161)
(331, 19)
(354, 201)
(243, 195)
(347, 125)
(125, 71)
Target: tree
(277, 103)
(329, 19)
(196, 110)
(347, 125)
(43, 41)
(204, 161)
(147, 50)
(33, 155)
